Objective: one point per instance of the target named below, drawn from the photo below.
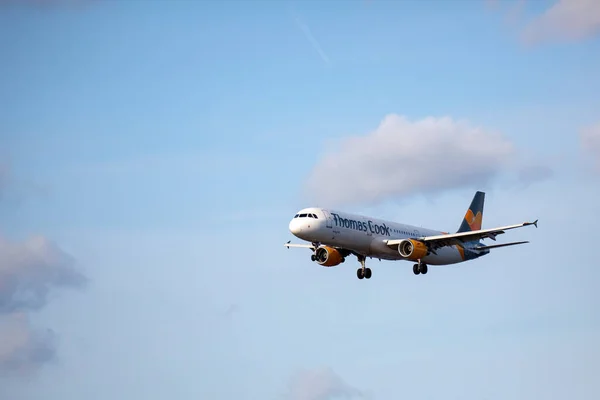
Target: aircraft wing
(438, 241)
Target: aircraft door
(328, 219)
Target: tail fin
(474, 216)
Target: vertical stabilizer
(474, 216)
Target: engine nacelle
(328, 256)
(412, 249)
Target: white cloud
(29, 271)
(23, 348)
(321, 384)
(590, 141)
(565, 20)
(403, 158)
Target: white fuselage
(368, 236)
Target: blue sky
(164, 146)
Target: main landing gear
(363, 272)
(420, 268)
(316, 245)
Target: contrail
(315, 44)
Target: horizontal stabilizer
(493, 246)
(307, 246)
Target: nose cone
(295, 226)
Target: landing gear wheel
(416, 269)
(423, 269)
(313, 258)
(363, 272)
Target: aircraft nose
(295, 226)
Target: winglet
(531, 223)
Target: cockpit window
(309, 215)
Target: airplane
(335, 235)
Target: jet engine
(412, 249)
(328, 256)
